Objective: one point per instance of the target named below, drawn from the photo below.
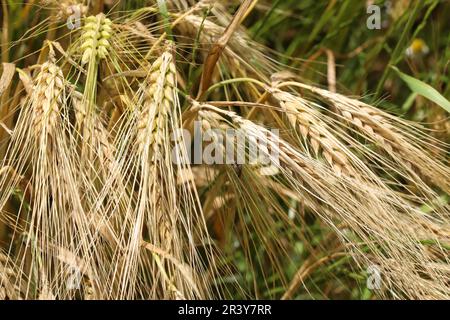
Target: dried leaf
(7, 75)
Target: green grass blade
(424, 90)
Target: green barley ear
(96, 33)
(49, 88)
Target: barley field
(254, 149)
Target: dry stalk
(218, 47)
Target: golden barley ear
(49, 89)
(307, 120)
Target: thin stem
(231, 81)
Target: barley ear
(48, 89)
(96, 33)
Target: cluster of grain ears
(110, 196)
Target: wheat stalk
(94, 47)
(167, 211)
(57, 187)
(154, 208)
(41, 127)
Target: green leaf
(162, 6)
(424, 90)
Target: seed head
(48, 95)
(96, 33)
